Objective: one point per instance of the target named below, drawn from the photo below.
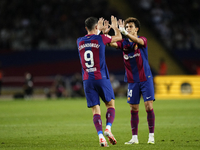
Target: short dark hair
(90, 23)
(135, 21)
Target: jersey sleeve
(106, 38)
(145, 41)
(119, 44)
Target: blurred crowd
(64, 87)
(46, 24)
(55, 24)
(175, 22)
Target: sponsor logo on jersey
(126, 57)
(91, 69)
(88, 45)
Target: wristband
(123, 31)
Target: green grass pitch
(67, 124)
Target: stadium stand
(40, 36)
(47, 24)
(155, 47)
(176, 24)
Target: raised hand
(114, 26)
(114, 23)
(121, 27)
(106, 27)
(121, 23)
(100, 25)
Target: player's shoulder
(94, 37)
(105, 36)
(143, 38)
(79, 39)
(125, 41)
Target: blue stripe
(109, 124)
(100, 132)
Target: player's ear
(86, 28)
(137, 29)
(96, 26)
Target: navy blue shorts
(135, 90)
(98, 88)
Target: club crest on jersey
(135, 47)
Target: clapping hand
(106, 27)
(121, 27)
(114, 23)
(100, 25)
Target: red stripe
(128, 70)
(140, 66)
(129, 73)
(106, 38)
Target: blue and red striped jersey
(91, 50)
(136, 63)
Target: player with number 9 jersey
(96, 82)
(92, 56)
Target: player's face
(131, 29)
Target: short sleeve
(119, 45)
(106, 38)
(145, 40)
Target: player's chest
(130, 47)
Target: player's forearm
(132, 38)
(135, 39)
(114, 44)
(117, 36)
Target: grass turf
(67, 124)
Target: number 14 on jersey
(130, 93)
